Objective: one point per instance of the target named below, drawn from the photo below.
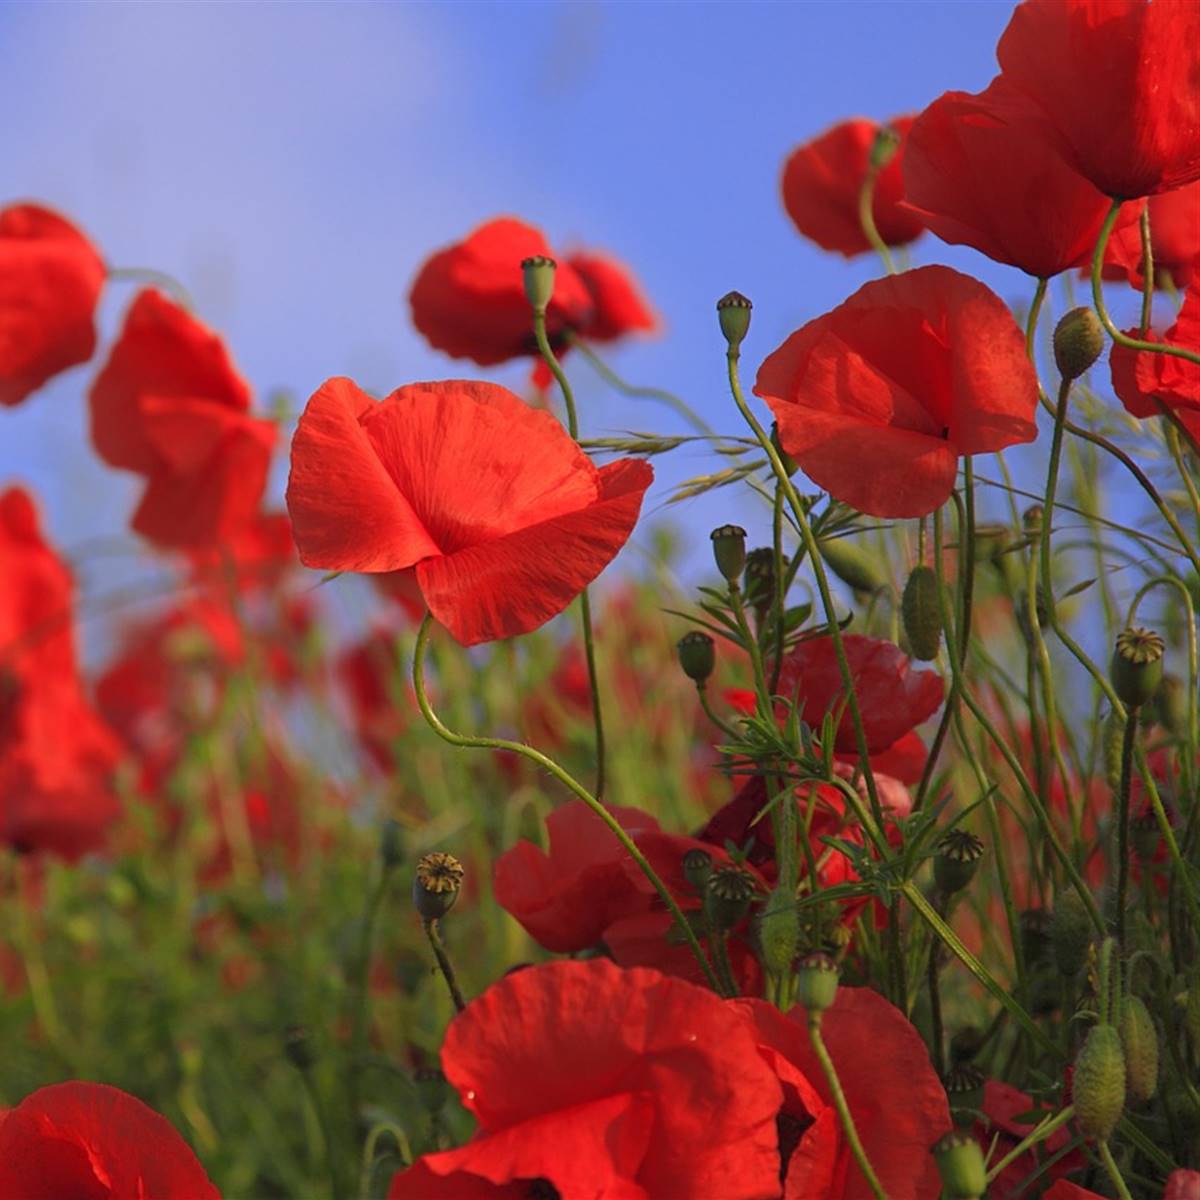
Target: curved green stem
(149, 275)
(727, 729)
(1039, 1134)
(1114, 1172)
(866, 218)
(434, 934)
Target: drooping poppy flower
(822, 181)
(1119, 81)
(89, 1141)
(898, 1102)
(589, 1080)
(877, 399)
(982, 171)
(505, 519)
(1174, 240)
(50, 281)
(169, 405)
(1183, 1185)
(469, 299)
(1146, 382)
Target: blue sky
(293, 164)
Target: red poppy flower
(596, 1081)
(89, 1141)
(1183, 1185)
(1174, 240)
(170, 406)
(469, 299)
(50, 281)
(504, 517)
(1145, 382)
(258, 555)
(982, 171)
(1001, 1103)
(1136, 133)
(878, 398)
(899, 1105)
(618, 306)
(822, 181)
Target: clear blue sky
(293, 164)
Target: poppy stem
(434, 934)
(1114, 1172)
(1117, 336)
(706, 704)
(866, 218)
(1039, 1134)
(1147, 271)
(1128, 743)
(153, 277)
(568, 781)
(362, 964)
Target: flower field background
(370, 831)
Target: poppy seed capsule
(960, 1164)
(733, 311)
(697, 655)
(758, 580)
(964, 1086)
(727, 895)
(854, 566)
(1098, 1086)
(436, 885)
(817, 980)
(1078, 342)
(966, 1043)
(729, 551)
(1140, 1039)
(921, 613)
(1137, 666)
(1070, 933)
(538, 273)
(779, 932)
(697, 867)
(956, 861)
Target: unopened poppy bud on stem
(1078, 342)
(758, 580)
(779, 931)
(1140, 1039)
(538, 273)
(1137, 666)
(884, 147)
(921, 612)
(961, 1166)
(729, 550)
(733, 311)
(817, 982)
(1099, 1083)
(956, 861)
(697, 656)
(437, 884)
(855, 566)
(964, 1085)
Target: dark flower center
(542, 1189)
(791, 1129)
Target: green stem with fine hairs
(1114, 1172)
(434, 933)
(1039, 1134)
(567, 780)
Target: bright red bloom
(469, 299)
(1119, 81)
(50, 281)
(1174, 240)
(601, 1082)
(170, 406)
(877, 399)
(1183, 1185)
(618, 306)
(981, 171)
(822, 181)
(504, 517)
(899, 1105)
(1144, 381)
(89, 1141)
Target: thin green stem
(866, 218)
(1035, 308)
(1147, 270)
(1114, 1172)
(1128, 741)
(727, 729)
(359, 993)
(780, 587)
(434, 934)
(156, 278)
(937, 1038)
(1040, 1133)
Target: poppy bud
(697, 867)
(729, 550)
(298, 1046)
(697, 655)
(854, 566)
(956, 861)
(1070, 933)
(1140, 1039)
(437, 884)
(1099, 1083)
(1145, 835)
(921, 613)
(1034, 926)
(884, 147)
(1171, 705)
(733, 311)
(960, 1164)
(779, 932)
(964, 1086)
(1078, 342)
(391, 843)
(817, 977)
(727, 895)
(758, 580)
(432, 1088)
(1031, 519)
(966, 1043)
(538, 273)
(1137, 666)
(790, 465)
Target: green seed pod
(956, 861)
(733, 311)
(697, 867)
(1114, 732)
(779, 932)
(1031, 519)
(1140, 1039)
(729, 550)
(1171, 705)
(436, 885)
(1099, 1084)
(538, 273)
(758, 580)
(697, 655)
(1078, 342)
(921, 613)
(817, 979)
(960, 1164)
(727, 896)
(1137, 666)
(857, 568)
(1070, 933)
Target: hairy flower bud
(1099, 1083)
(436, 885)
(1137, 666)
(729, 551)
(697, 655)
(883, 147)
(733, 311)
(817, 982)
(961, 1166)
(1078, 341)
(538, 273)
(1140, 1040)
(856, 567)
(956, 861)
(921, 613)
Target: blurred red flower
(1144, 380)
(1137, 131)
(618, 306)
(1174, 240)
(877, 399)
(375, 683)
(89, 1141)
(823, 178)
(898, 1102)
(1183, 1185)
(982, 172)
(50, 281)
(504, 517)
(589, 1080)
(170, 406)
(257, 555)
(1001, 1104)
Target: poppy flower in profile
(50, 281)
(981, 171)
(1174, 241)
(1146, 382)
(170, 406)
(823, 178)
(589, 1080)
(89, 1141)
(504, 517)
(1139, 132)
(877, 399)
